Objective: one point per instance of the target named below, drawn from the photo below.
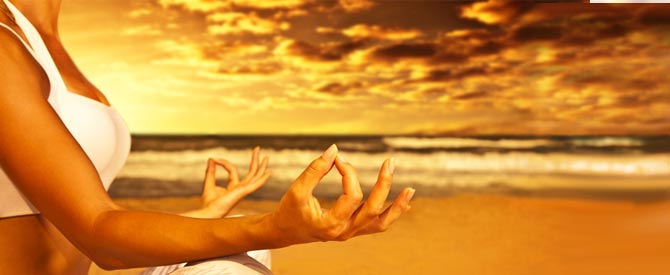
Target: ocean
(602, 166)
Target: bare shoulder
(19, 71)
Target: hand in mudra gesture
(217, 200)
(301, 219)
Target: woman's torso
(30, 243)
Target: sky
(376, 67)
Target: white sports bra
(98, 128)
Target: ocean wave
(421, 143)
(289, 163)
(380, 144)
(608, 142)
(176, 165)
(159, 173)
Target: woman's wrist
(254, 232)
(273, 236)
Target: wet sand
(484, 234)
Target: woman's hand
(300, 218)
(218, 201)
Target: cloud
(325, 52)
(477, 34)
(503, 67)
(305, 51)
(338, 88)
(404, 51)
(195, 5)
(564, 24)
(181, 53)
(451, 74)
(593, 33)
(143, 30)
(224, 49)
(356, 5)
(292, 13)
(364, 31)
(494, 12)
(140, 12)
(179, 48)
(654, 16)
(536, 33)
(272, 4)
(266, 68)
(223, 23)
(447, 49)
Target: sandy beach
(483, 234)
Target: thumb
(316, 170)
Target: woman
(61, 144)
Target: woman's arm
(49, 167)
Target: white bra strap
(30, 49)
(32, 53)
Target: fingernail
(330, 153)
(342, 159)
(410, 194)
(391, 166)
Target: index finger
(312, 175)
(352, 194)
(230, 168)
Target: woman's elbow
(108, 257)
(104, 246)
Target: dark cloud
(449, 57)
(586, 32)
(324, 52)
(642, 85)
(614, 30)
(655, 15)
(402, 50)
(536, 33)
(345, 47)
(311, 52)
(489, 47)
(473, 95)
(338, 88)
(438, 75)
(568, 23)
(449, 50)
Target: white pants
(250, 263)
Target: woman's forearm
(125, 239)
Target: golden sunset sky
(376, 67)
